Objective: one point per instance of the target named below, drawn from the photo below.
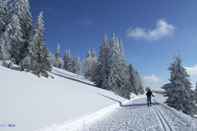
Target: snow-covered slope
(71, 76)
(30, 103)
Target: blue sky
(153, 31)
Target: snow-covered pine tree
(52, 58)
(46, 62)
(67, 61)
(103, 66)
(22, 10)
(195, 92)
(1, 53)
(76, 64)
(118, 79)
(26, 62)
(5, 19)
(136, 82)
(40, 54)
(72, 63)
(15, 38)
(58, 60)
(196, 87)
(179, 93)
(4, 15)
(89, 65)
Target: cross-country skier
(149, 95)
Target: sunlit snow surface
(31, 103)
(132, 116)
(136, 116)
(60, 104)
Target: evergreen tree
(1, 53)
(103, 65)
(5, 44)
(196, 87)
(136, 82)
(67, 61)
(22, 10)
(76, 65)
(58, 59)
(5, 19)
(40, 54)
(71, 63)
(26, 62)
(195, 93)
(118, 80)
(52, 58)
(112, 71)
(15, 38)
(89, 65)
(179, 92)
(4, 15)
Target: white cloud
(152, 77)
(162, 29)
(155, 82)
(152, 81)
(192, 71)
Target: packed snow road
(136, 116)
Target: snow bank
(29, 103)
(88, 119)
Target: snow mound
(29, 103)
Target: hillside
(31, 103)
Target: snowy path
(136, 116)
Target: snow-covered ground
(30, 103)
(71, 76)
(136, 116)
(69, 102)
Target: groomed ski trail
(136, 116)
(162, 120)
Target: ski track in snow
(136, 116)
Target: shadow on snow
(128, 105)
(137, 104)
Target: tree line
(23, 44)
(109, 70)
(20, 42)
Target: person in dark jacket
(149, 95)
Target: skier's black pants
(149, 102)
